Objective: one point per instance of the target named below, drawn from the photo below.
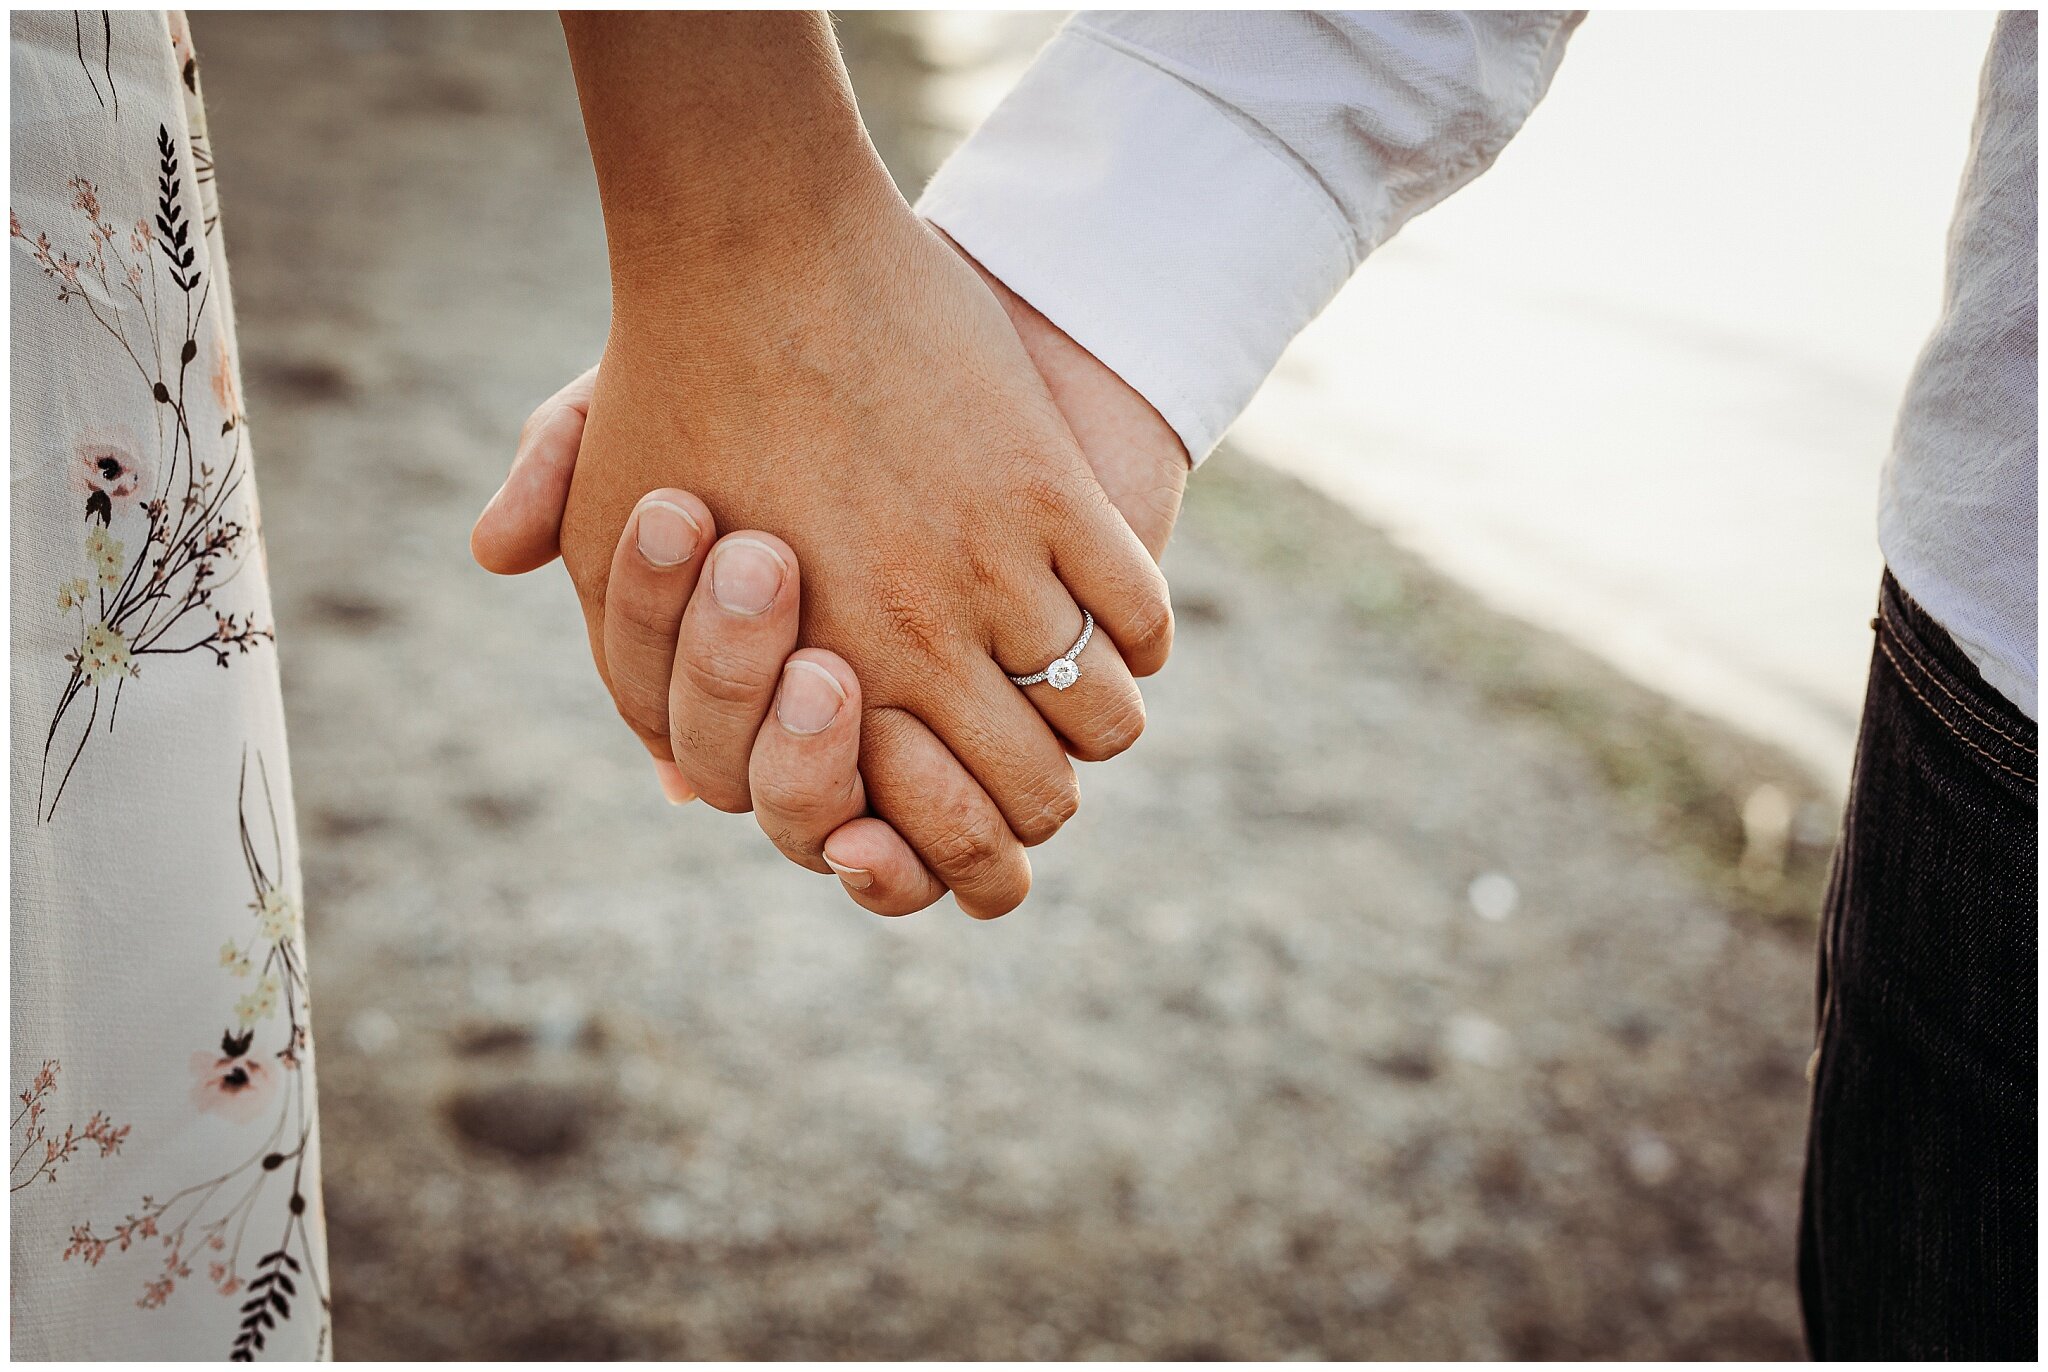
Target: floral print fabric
(165, 1181)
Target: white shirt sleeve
(1183, 192)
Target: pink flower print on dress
(85, 197)
(232, 1084)
(110, 470)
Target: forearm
(727, 147)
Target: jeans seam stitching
(1947, 723)
(1929, 673)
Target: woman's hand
(882, 418)
(1136, 457)
(794, 344)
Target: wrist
(771, 264)
(1066, 362)
(727, 148)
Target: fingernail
(672, 784)
(809, 699)
(859, 878)
(746, 575)
(666, 533)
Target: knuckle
(1119, 726)
(982, 569)
(1045, 815)
(723, 677)
(909, 611)
(1044, 496)
(643, 625)
(965, 854)
(799, 797)
(1151, 629)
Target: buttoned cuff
(1139, 217)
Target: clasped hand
(952, 475)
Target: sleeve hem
(1162, 237)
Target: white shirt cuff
(1156, 231)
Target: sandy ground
(1396, 996)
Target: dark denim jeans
(1917, 1225)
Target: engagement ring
(1063, 671)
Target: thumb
(521, 527)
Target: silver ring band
(1063, 671)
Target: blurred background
(1434, 978)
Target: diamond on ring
(1063, 671)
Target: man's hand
(796, 723)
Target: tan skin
(805, 787)
(795, 347)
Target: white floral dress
(165, 1187)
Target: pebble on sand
(1651, 1161)
(1494, 896)
(1474, 1038)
